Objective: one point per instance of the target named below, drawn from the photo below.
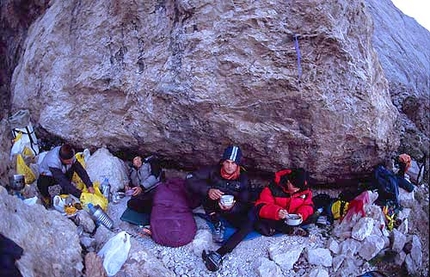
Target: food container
(117, 196)
(293, 220)
(227, 200)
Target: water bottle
(100, 216)
(105, 188)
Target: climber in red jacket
(287, 194)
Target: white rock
(348, 268)
(286, 255)
(406, 198)
(400, 258)
(84, 219)
(375, 212)
(349, 247)
(371, 247)
(404, 213)
(319, 256)
(318, 272)
(103, 164)
(337, 262)
(413, 260)
(50, 240)
(398, 240)
(363, 228)
(267, 268)
(333, 245)
(201, 241)
(404, 226)
(87, 242)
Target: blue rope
(299, 66)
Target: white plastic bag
(59, 203)
(115, 252)
(30, 201)
(21, 126)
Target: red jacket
(274, 198)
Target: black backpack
(156, 168)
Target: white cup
(227, 200)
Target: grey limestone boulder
(49, 239)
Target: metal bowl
(17, 182)
(293, 220)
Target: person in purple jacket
(56, 171)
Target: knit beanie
(232, 153)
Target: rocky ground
(186, 260)
(254, 257)
(323, 253)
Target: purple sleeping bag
(172, 220)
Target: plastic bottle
(105, 188)
(100, 216)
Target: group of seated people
(288, 193)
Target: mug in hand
(227, 200)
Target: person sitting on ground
(145, 175)
(56, 172)
(404, 161)
(210, 184)
(287, 194)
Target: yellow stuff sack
(96, 199)
(339, 208)
(27, 152)
(24, 169)
(75, 178)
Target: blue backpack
(386, 183)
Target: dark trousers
(142, 202)
(265, 227)
(269, 227)
(246, 227)
(44, 182)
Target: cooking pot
(17, 182)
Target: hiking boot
(212, 260)
(218, 235)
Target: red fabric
(233, 176)
(279, 174)
(357, 206)
(297, 203)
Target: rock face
(403, 50)
(15, 18)
(5, 146)
(50, 240)
(187, 78)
